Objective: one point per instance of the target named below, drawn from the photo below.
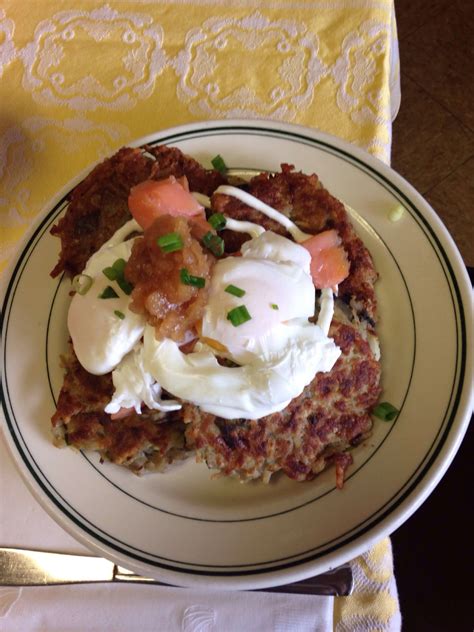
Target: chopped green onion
(396, 213)
(385, 411)
(119, 314)
(82, 283)
(170, 242)
(189, 279)
(219, 164)
(238, 315)
(110, 273)
(214, 243)
(119, 266)
(274, 306)
(108, 292)
(125, 286)
(217, 221)
(234, 290)
(116, 273)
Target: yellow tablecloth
(79, 79)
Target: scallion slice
(385, 411)
(125, 286)
(170, 242)
(82, 283)
(116, 270)
(214, 243)
(217, 221)
(219, 164)
(110, 273)
(234, 290)
(119, 314)
(108, 292)
(119, 266)
(274, 306)
(396, 213)
(189, 279)
(238, 315)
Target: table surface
(433, 147)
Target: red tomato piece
(152, 198)
(329, 263)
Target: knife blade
(24, 567)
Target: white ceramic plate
(184, 528)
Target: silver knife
(22, 567)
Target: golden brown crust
(150, 440)
(317, 428)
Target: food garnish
(239, 315)
(385, 411)
(236, 291)
(217, 221)
(152, 198)
(82, 283)
(170, 242)
(189, 279)
(396, 213)
(214, 243)
(108, 292)
(218, 163)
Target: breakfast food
(235, 324)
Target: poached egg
(278, 351)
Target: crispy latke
(328, 418)
(317, 428)
(149, 441)
(304, 200)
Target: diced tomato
(152, 198)
(329, 262)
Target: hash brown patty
(318, 427)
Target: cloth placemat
(80, 79)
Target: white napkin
(24, 524)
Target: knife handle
(337, 582)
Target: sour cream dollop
(101, 338)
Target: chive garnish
(116, 273)
(238, 315)
(108, 292)
(82, 283)
(189, 279)
(170, 242)
(217, 221)
(110, 273)
(385, 411)
(274, 306)
(234, 290)
(119, 266)
(125, 286)
(219, 164)
(119, 314)
(214, 243)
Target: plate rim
(405, 508)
